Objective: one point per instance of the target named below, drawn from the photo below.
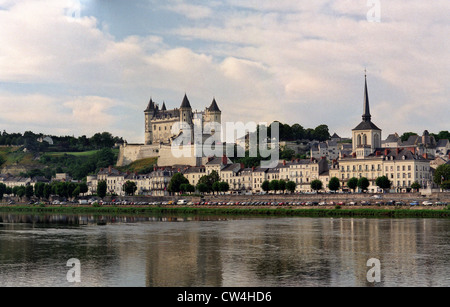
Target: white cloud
(292, 61)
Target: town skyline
(81, 67)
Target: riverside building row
(403, 163)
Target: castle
(165, 127)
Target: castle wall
(132, 152)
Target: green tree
(265, 186)
(334, 184)
(39, 189)
(416, 186)
(352, 183)
(2, 190)
(76, 191)
(290, 186)
(445, 185)
(216, 186)
(282, 185)
(321, 133)
(102, 188)
(405, 136)
(83, 187)
(202, 188)
(383, 182)
(224, 186)
(129, 187)
(175, 183)
(442, 174)
(316, 185)
(47, 191)
(187, 188)
(274, 185)
(209, 180)
(363, 183)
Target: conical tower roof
(214, 107)
(163, 108)
(185, 103)
(150, 106)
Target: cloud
(292, 61)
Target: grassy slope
(139, 165)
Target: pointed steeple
(366, 115)
(185, 103)
(163, 108)
(150, 106)
(214, 107)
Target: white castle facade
(164, 127)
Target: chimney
(224, 160)
(377, 153)
(386, 151)
(253, 168)
(398, 150)
(109, 169)
(284, 162)
(242, 166)
(354, 155)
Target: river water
(169, 251)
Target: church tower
(366, 137)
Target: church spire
(366, 115)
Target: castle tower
(213, 113)
(186, 111)
(149, 113)
(366, 137)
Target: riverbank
(372, 212)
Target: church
(370, 159)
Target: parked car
(182, 202)
(427, 203)
(414, 203)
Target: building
(166, 128)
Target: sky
(78, 67)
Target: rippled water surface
(170, 251)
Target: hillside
(15, 161)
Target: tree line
(43, 190)
(33, 141)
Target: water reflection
(213, 251)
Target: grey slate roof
(213, 107)
(185, 103)
(366, 125)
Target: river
(170, 251)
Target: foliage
(187, 187)
(416, 185)
(129, 187)
(363, 183)
(274, 185)
(405, 136)
(30, 140)
(316, 185)
(265, 186)
(209, 180)
(290, 186)
(383, 182)
(334, 184)
(352, 183)
(442, 174)
(102, 188)
(176, 181)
